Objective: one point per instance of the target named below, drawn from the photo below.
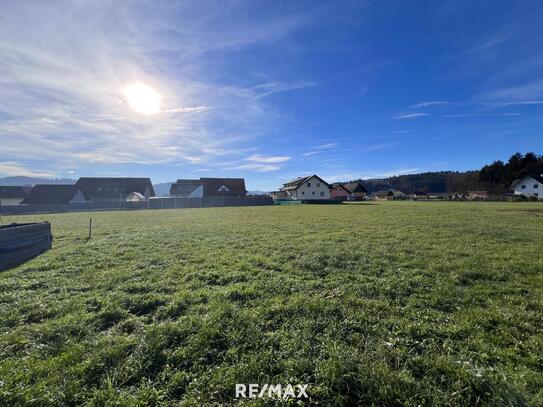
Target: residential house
(209, 188)
(357, 191)
(417, 195)
(529, 186)
(114, 189)
(54, 194)
(307, 188)
(477, 195)
(12, 195)
(339, 192)
(390, 195)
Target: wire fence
(153, 203)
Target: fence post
(90, 228)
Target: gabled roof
(355, 187)
(114, 188)
(185, 187)
(12, 192)
(50, 194)
(296, 182)
(224, 186)
(334, 186)
(538, 178)
(384, 192)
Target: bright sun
(142, 98)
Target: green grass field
(370, 304)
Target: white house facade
(307, 188)
(529, 186)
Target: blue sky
(268, 90)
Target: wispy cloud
(379, 146)
(411, 116)
(258, 167)
(193, 109)
(62, 90)
(267, 159)
(430, 103)
(326, 146)
(483, 115)
(321, 148)
(13, 168)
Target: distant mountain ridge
(24, 181)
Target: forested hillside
(495, 178)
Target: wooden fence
(22, 242)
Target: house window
(523, 187)
(309, 184)
(536, 194)
(536, 186)
(318, 184)
(322, 193)
(303, 193)
(313, 193)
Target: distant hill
(438, 182)
(257, 192)
(23, 181)
(162, 189)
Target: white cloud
(257, 167)
(380, 146)
(72, 80)
(430, 103)
(13, 168)
(310, 153)
(482, 115)
(327, 146)
(412, 116)
(268, 159)
(193, 109)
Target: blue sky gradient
(268, 90)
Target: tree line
(495, 178)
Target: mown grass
(371, 304)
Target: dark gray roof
(224, 186)
(50, 194)
(355, 187)
(13, 192)
(185, 187)
(296, 182)
(114, 188)
(213, 187)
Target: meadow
(392, 304)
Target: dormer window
(223, 188)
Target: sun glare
(142, 98)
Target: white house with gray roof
(529, 186)
(311, 187)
